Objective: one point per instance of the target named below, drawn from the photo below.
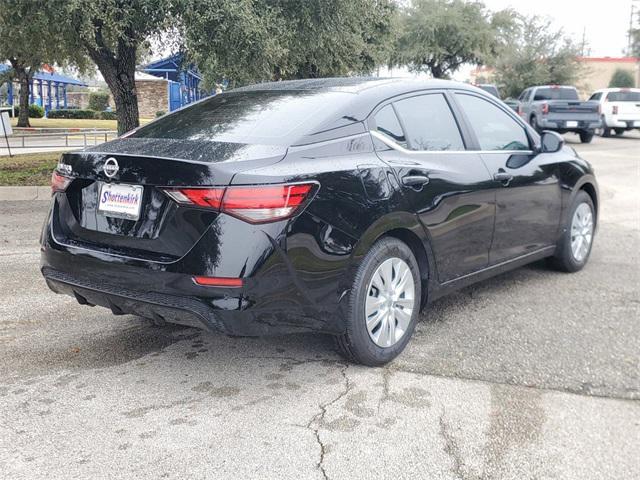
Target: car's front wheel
(384, 304)
(619, 131)
(574, 247)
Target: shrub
(72, 114)
(160, 113)
(98, 101)
(622, 79)
(35, 111)
(108, 115)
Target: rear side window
(550, 93)
(429, 123)
(495, 129)
(387, 123)
(624, 96)
(595, 96)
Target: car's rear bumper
(626, 121)
(274, 299)
(565, 125)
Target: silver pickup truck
(558, 108)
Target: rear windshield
(556, 94)
(262, 117)
(490, 89)
(624, 97)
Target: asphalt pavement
(534, 374)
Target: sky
(605, 23)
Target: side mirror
(551, 142)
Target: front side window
(494, 128)
(595, 96)
(387, 123)
(429, 123)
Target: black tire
(533, 121)
(619, 131)
(606, 131)
(355, 344)
(564, 259)
(586, 136)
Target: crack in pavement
(567, 391)
(318, 419)
(386, 376)
(451, 448)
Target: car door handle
(502, 177)
(415, 180)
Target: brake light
(614, 110)
(59, 183)
(218, 282)
(202, 197)
(254, 204)
(545, 108)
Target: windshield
(624, 96)
(557, 93)
(260, 117)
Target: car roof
(625, 89)
(354, 85)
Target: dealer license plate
(120, 200)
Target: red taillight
(614, 110)
(59, 183)
(218, 282)
(203, 197)
(545, 108)
(254, 204)
(264, 204)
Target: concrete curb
(20, 194)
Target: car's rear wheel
(619, 131)
(574, 247)
(383, 306)
(605, 131)
(586, 136)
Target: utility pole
(629, 36)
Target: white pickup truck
(619, 109)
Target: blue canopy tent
(183, 80)
(55, 84)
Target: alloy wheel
(581, 232)
(390, 302)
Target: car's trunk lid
(163, 231)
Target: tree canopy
(537, 54)
(622, 79)
(439, 36)
(28, 39)
(253, 40)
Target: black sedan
(341, 206)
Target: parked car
(512, 103)
(342, 206)
(558, 108)
(489, 88)
(620, 109)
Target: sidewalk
(19, 194)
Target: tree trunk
(23, 79)
(119, 72)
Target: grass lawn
(74, 123)
(28, 169)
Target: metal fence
(59, 139)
